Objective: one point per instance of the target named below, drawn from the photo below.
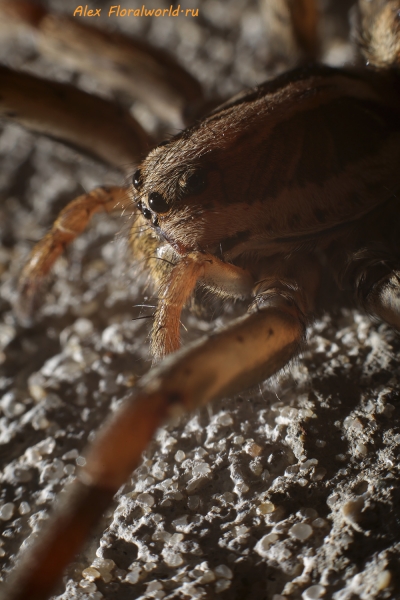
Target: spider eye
(136, 179)
(196, 182)
(158, 203)
(146, 213)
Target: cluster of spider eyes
(194, 183)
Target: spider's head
(192, 188)
(171, 190)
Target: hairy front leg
(71, 222)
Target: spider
(231, 254)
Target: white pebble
(154, 586)
(362, 449)
(222, 585)
(253, 449)
(193, 502)
(91, 574)
(47, 446)
(88, 586)
(319, 523)
(332, 499)
(239, 439)
(201, 468)
(146, 499)
(180, 523)
(301, 531)
(224, 419)
(24, 508)
(266, 508)
(309, 513)
(7, 511)
(224, 572)
(83, 327)
(180, 456)
(314, 592)
(171, 558)
(71, 455)
(133, 575)
(263, 545)
(242, 488)
(383, 580)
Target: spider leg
(115, 60)
(292, 29)
(250, 349)
(61, 111)
(71, 222)
(367, 261)
(254, 348)
(379, 38)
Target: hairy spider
(250, 203)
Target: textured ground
(288, 491)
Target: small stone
(314, 592)
(201, 469)
(91, 573)
(133, 575)
(238, 440)
(319, 474)
(224, 419)
(319, 523)
(383, 580)
(266, 508)
(301, 531)
(193, 502)
(180, 456)
(88, 586)
(309, 513)
(7, 511)
(224, 572)
(222, 584)
(253, 449)
(362, 449)
(242, 488)
(262, 547)
(145, 499)
(171, 558)
(71, 455)
(24, 508)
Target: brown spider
(250, 202)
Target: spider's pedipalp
(178, 285)
(71, 222)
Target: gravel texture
(287, 491)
